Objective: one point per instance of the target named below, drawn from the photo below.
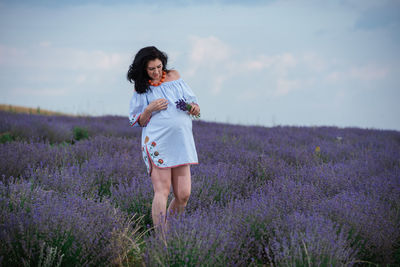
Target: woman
(168, 147)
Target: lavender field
(74, 192)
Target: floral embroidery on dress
(155, 154)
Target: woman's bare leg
(161, 179)
(181, 187)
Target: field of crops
(74, 191)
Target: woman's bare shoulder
(173, 75)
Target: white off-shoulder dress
(167, 137)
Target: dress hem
(151, 163)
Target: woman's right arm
(155, 105)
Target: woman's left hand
(195, 110)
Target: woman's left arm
(188, 95)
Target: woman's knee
(183, 196)
(161, 192)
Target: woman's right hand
(157, 105)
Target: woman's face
(154, 69)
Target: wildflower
(317, 149)
(182, 105)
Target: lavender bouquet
(182, 105)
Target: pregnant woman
(168, 147)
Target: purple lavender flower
(182, 105)
(260, 195)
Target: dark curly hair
(137, 72)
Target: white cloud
(366, 73)
(81, 78)
(208, 49)
(247, 95)
(214, 56)
(261, 62)
(8, 55)
(334, 76)
(47, 56)
(26, 92)
(278, 68)
(208, 52)
(279, 64)
(218, 84)
(284, 86)
(314, 62)
(254, 65)
(283, 63)
(220, 62)
(45, 44)
(90, 60)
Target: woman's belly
(169, 122)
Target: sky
(254, 62)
